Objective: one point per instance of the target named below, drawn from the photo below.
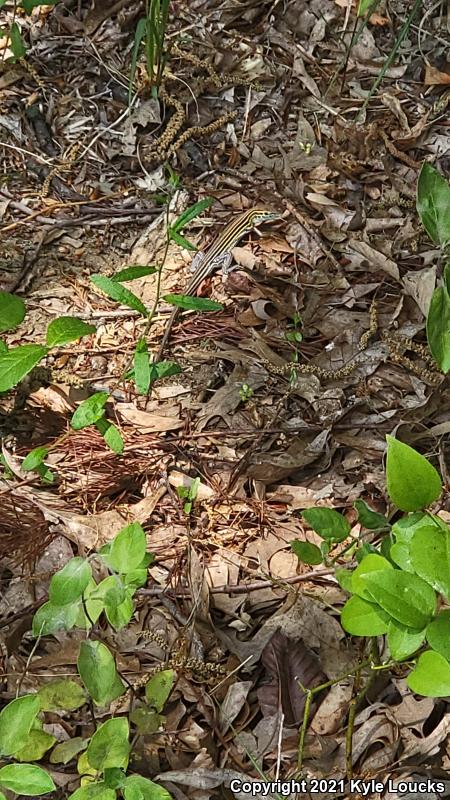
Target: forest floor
(340, 284)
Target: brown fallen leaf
(434, 77)
(291, 666)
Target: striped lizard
(218, 256)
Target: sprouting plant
(150, 33)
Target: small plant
(246, 392)
(189, 494)
(150, 33)
(17, 362)
(401, 588)
(77, 600)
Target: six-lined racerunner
(218, 256)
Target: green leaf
(158, 689)
(111, 435)
(438, 634)
(60, 695)
(368, 518)
(27, 779)
(142, 371)
(118, 292)
(365, 6)
(361, 618)
(97, 790)
(97, 670)
(16, 720)
(34, 459)
(430, 557)
(66, 751)
(18, 362)
(69, 583)
(344, 578)
(431, 675)
(133, 273)
(180, 240)
(120, 614)
(438, 328)
(369, 564)
(139, 35)
(89, 411)
(192, 212)
(412, 482)
(12, 311)
(93, 606)
(306, 552)
(327, 523)
(114, 777)
(187, 302)
(50, 618)
(109, 746)
(128, 548)
(67, 329)
(139, 788)
(433, 203)
(403, 641)
(35, 746)
(17, 44)
(146, 720)
(405, 597)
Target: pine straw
(24, 531)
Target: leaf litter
(347, 175)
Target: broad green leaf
(67, 329)
(60, 695)
(50, 618)
(139, 788)
(431, 675)
(120, 614)
(91, 606)
(109, 746)
(438, 328)
(114, 777)
(16, 720)
(146, 720)
(69, 583)
(328, 523)
(35, 746)
(111, 435)
(361, 618)
(97, 790)
(89, 411)
(412, 482)
(430, 557)
(18, 362)
(158, 689)
(110, 590)
(164, 369)
(403, 532)
(135, 579)
(192, 212)
(133, 272)
(306, 552)
(433, 203)
(187, 302)
(17, 44)
(97, 670)
(403, 641)
(66, 751)
(371, 563)
(12, 311)
(142, 371)
(118, 293)
(27, 779)
(405, 597)
(438, 634)
(34, 459)
(344, 578)
(365, 6)
(128, 548)
(369, 519)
